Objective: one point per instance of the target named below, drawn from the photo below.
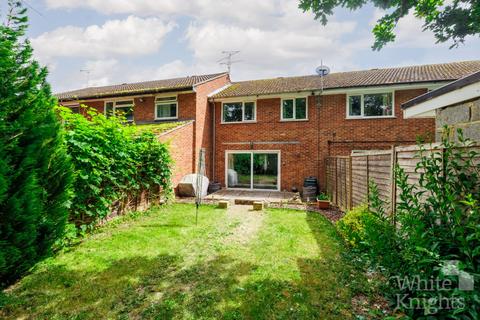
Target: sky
(120, 41)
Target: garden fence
(347, 177)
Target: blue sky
(135, 40)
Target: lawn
(280, 264)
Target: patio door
(255, 170)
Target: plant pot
(323, 204)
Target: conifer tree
(35, 172)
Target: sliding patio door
(257, 170)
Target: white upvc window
(123, 107)
(166, 108)
(370, 105)
(294, 109)
(239, 112)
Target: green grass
(162, 266)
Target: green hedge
(114, 164)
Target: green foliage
(323, 196)
(114, 164)
(352, 226)
(449, 22)
(35, 172)
(438, 221)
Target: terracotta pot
(323, 204)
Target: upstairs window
(166, 108)
(294, 109)
(123, 108)
(238, 112)
(374, 105)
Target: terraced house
(271, 134)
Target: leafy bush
(352, 226)
(438, 222)
(113, 165)
(370, 231)
(35, 173)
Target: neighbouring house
(455, 105)
(271, 134)
(183, 101)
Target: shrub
(370, 231)
(352, 226)
(35, 173)
(439, 221)
(113, 165)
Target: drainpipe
(213, 140)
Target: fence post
(393, 182)
(368, 184)
(350, 204)
(336, 181)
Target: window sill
(293, 120)
(370, 118)
(166, 119)
(239, 122)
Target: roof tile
(137, 88)
(373, 77)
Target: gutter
(130, 93)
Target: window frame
(362, 105)
(115, 107)
(166, 102)
(294, 98)
(243, 102)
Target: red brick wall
(144, 110)
(180, 142)
(203, 120)
(308, 148)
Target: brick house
(183, 100)
(271, 134)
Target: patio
(250, 196)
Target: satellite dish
(322, 70)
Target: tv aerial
(322, 70)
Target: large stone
(453, 115)
(472, 131)
(223, 204)
(258, 205)
(475, 111)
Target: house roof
(464, 89)
(460, 83)
(352, 79)
(145, 87)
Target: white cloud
(128, 37)
(289, 43)
(246, 11)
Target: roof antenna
(227, 60)
(322, 71)
(87, 71)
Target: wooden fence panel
(348, 177)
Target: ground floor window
(166, 108)
(124, 108)
(253, 170)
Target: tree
(35, 172)
(449, 22)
